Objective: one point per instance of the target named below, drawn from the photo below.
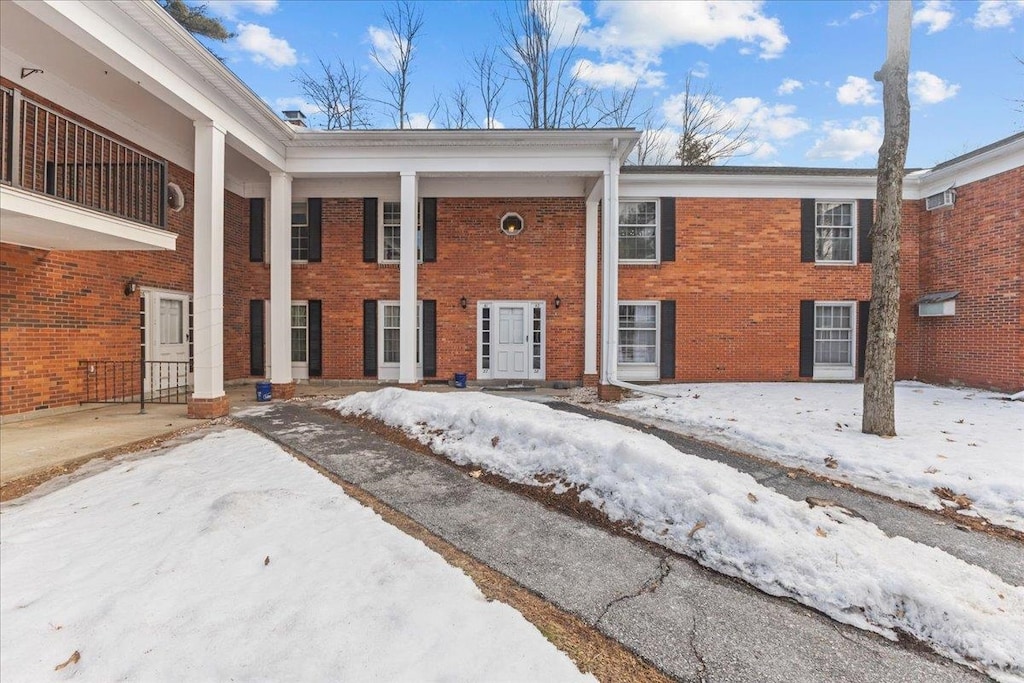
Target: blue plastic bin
(460, 380)
(262, 391)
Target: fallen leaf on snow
(476, 473)
(266, 560)
(831, 462)
(820, 532)
(931, 470)
(751, 497)
(947, 494)
(494, 442)
(696, 527)
(73, 659)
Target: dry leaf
(791, 475)
(73, 659)
(831, 462)
(960, 500)
(820, 532)
(494, 442)
(796, 398)
(931, 470)
(476, 473)
(696, 527)
(751, 497)
(266, 560)
(944, 457)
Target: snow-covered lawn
(158, 570)
(968, 441)
(845, 567)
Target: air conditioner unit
(940, 200)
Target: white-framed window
(300, 339)
(835, 334)
(638, 340)
(172, 321)
(638, 230)
(835, 236)
(391, 232)
(389, 350)
(300, 230)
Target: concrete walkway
(688, 621)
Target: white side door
(512, 350)
(167, 340)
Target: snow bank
(845, 567)
(158, 570)
(969, 441)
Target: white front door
(511, 352)
(510, 340)
(167, 340)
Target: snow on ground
(845, 567)
(969, 441)
(156, 570)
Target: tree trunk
(880, 361)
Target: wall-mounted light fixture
(558, 302)
(463, 303)
(130, 287)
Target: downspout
(610, 327)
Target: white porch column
(590, 290)
(407, 279)
(610, 292)
(280, 278)
(208, 264)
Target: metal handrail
(135, 381)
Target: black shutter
(807, 338)
(668, 228)
(315, 230)
(862, 335)
(429, 338)
(865, 219)
(429, 230)
(257, 363)
(316, 338)
(369, 337)
(807, 220)
(257, 218)
(668, 339)
(370, 234)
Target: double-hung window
(300, 333)
(391, 232)
(300, 231)
(638, 340)
(390, 351)
(638, 230)
(834, 336)
(834, 236)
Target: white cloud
(857, 90)
(928, 88)
(420, 120)
(264, 48)
(493, 123)
(617, 74)
(937, 15)
(997, 13)
(386, 44)
(230, 9)
(291, 103)
(569, 18)
(789, 86)
(700, 70)
(646, 27)
(858, 14)
(860, 137)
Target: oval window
(175, 197)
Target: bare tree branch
(404, 22)
(339, 94)
(456, 109)
(653, 147)
(490, 82)
(708, 134)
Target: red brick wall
(738, 282)
(976, 247)
(243, 281)
(473, 260)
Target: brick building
(163, 230)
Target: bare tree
(880, 360)
(456, 108)
(653, 147)
(404, 21)
(339, 94)
(615, 108)
(540, 57)
(490, 82)
(708, 134)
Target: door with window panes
(167, 340)
(511, 340)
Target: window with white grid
(390, 332)
(391, 233)
(638, 230)
(638, 333)
(300, 333)
(833, 335)
(833, 231)
(300, 231)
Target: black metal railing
(48, 152)
(135, 381)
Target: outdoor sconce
(463, 303)
(558, 302)
(130, 287)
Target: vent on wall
(940, 200)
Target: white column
(590, 290)
(208, 261)
(407, 279)
(280, 278)
(610, 291)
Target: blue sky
(799, 72)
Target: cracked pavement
(690, 622)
